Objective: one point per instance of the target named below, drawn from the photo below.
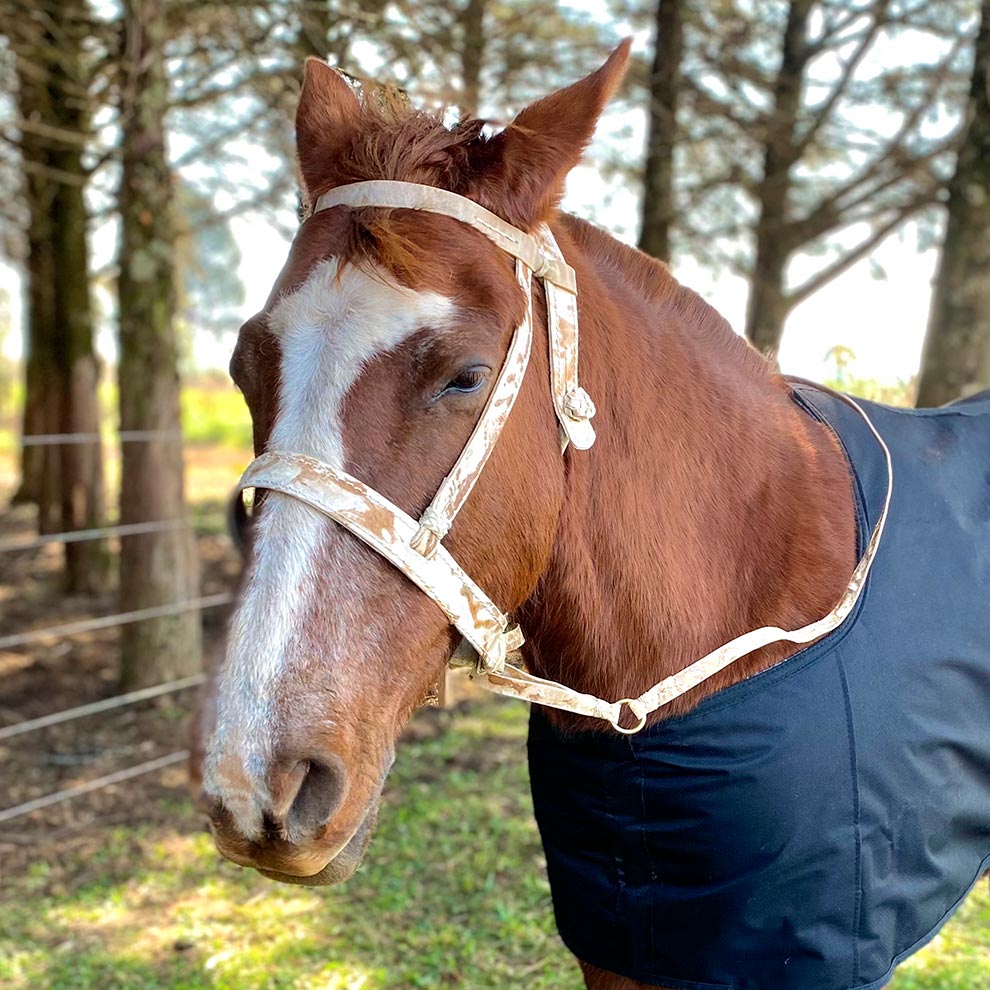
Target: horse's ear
(530, 159)
(326, 118)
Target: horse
(735, 841)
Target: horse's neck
(709, 505)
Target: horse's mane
(400, 142)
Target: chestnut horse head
(375, 354)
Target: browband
(413, 196)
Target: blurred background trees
(956, 359)
(155, 568)
(55, 72)
(802, 130)
(147, 148)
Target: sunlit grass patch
(215, 416)
(453, 895)
(959, 957)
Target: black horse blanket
(810, 827)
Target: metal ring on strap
(637, 710)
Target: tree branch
(846, 260)
(839, 88)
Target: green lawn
(215, 416)
(453, 895)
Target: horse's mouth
(340, 867)
(307, 865)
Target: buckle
(578, 404)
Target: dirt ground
(59, 673)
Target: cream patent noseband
(416, 547)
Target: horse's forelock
(393, 140)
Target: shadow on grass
(453, 895)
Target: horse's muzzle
(321, 862)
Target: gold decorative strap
(516, 683)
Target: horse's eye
(466, 381)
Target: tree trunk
(65, 480)
(956, 359)
(472, 56)
(767, 306)
(87, 563)
(39, 464)
(314, 30)
(766, 309)
(658, 173)
(158, 568)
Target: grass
(453, 895)
(215, 416)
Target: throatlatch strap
(572, 403)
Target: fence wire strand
(102, 622)
(109, 621)
(82, 535)
(106, 705)
(123, 436)
(98, 783)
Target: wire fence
(83, 535)
(123, 436)
(67, 630)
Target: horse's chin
(341, 867)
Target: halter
(415, 547)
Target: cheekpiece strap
(439, 516)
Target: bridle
(415, 547)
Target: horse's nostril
(320, 794)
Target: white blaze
(329, 329)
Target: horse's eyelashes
(465, 382)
